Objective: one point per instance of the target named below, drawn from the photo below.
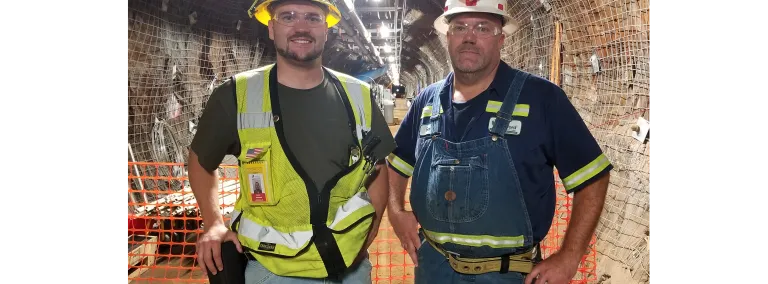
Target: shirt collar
(497, 89)
(501, 81)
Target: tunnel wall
(177, 53)
(605, 72)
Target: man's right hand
(209, 247)
(407, 230)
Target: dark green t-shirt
(315, 123)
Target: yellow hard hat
(259, 10)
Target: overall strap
(434, 120)
(504, 116)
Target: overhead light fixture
(384, 30)
(387, 48)
(391, 58)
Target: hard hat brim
(510, 26)
(261, 13)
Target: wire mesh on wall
(605, 72)
(530, 48)
(421, 74)
(435, 56)
(178, 51)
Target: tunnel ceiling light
(384, 30)
(387, 48)
(391, 58)
(350, 4)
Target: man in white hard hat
(310, 145)
(480, 146)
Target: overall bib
(467, 196)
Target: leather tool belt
(522, 263)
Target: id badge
(259, 191)
(425, 129)
(514, 127)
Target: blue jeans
(255, 273)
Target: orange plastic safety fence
(163, 223)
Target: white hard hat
(497, 7)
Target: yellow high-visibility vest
(282, 220)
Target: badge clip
(354, 152)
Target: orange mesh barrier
(163, 223)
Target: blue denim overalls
(467, 196)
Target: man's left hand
(556, 269)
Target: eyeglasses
(292, 18)
(479, 30)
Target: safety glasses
(480, 30)
(292, 18)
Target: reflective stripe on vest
(299, 239)
(278, 232)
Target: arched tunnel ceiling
(342, 52)
(587, 24)
(417, 36)
(421, 45)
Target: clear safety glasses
(292, 18)
(480, 30)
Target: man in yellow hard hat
(481, 145)
(309, 145)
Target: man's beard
(311, 56)
(295, 57)
(469, 70)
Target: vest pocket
(350, 211)
(458, 189)
(263, 238)
(256, 175)
(349, 200)
(351, 223)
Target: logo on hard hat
(469, 2)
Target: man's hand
(556, 269)
(403, 222)
(562, 266)
(209, 247)
(407, 230)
